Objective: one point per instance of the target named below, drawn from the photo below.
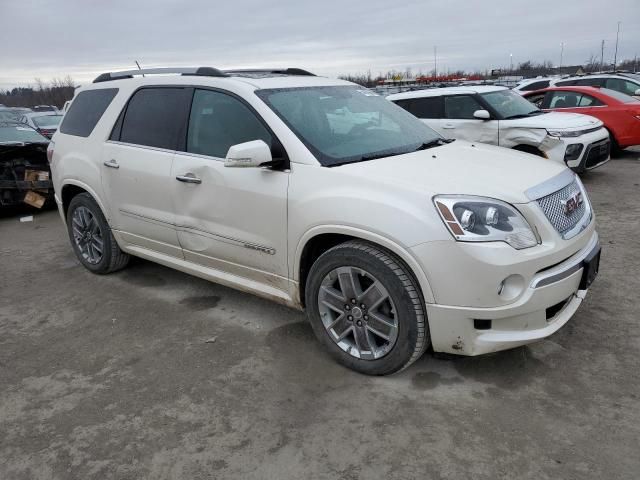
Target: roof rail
(276, 71)
(197, 71)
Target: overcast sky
(83, 38)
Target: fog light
(573, 152)
(511, 287)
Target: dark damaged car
(24, 168)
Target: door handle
(111, 163)
(448, 125)
(188, 178)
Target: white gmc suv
(499, 116)
(321, 195)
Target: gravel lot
(151, 373)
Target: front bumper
(590, 155)
(548, 302)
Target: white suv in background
(321, 195)
(627, 83)
(498, 116)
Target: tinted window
(589, 101)
(623, 86)
(154, 117)
(536, 99)
(565, 83)
(564, 99)
(426, 107)
(590, 82)
(621, 97)
(47, 121)
(461, 106)
(219, 121)
(86, 110)
(535, 86)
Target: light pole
(561, 54)
(615, 57)
(511, 60)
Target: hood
(462, 168)
(556, 121)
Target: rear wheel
(616, 151)
(91, 237)
(365, 308)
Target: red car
(620, 113)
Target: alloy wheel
(358, 313)
(87, 235)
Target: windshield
(344, 124)
(17, 134)
(509, 104)
(47, 121)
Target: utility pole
(615, 57)
(435, 61)
(602, 56)
(511, 61)
(561, 53)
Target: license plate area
(590, 267)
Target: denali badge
(572, 203)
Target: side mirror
(481, 115)
(248, 155)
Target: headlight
(562, 133)
(480, 219)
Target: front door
(459, 122)
(230, 219)
(136, 168)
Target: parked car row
(324, 196)
(626, 83)
(44, 118)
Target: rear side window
(461, 106)
(590, 82)
(426, 107)
(86, 110)
(219, 121)
(565, 99)
(622, 86)
(535, 86)
(155, 117)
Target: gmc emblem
(572, 203)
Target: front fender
(384, 242)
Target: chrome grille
(553, 208)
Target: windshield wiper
(524, 115)
(434, 143)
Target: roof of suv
(623, 75)
(258, 78)
(436, 92)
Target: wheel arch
(319, 239)
(71, 188)
(527, 148)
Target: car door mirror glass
(482, 114)
(248, 154)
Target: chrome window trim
(137, 145)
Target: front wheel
(365, 307)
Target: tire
(616, 151)
(400, 317)
(88, 231)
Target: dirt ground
(153, 374)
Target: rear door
(459, 122)
(230, 219)
(136, 167)
(428, 109)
